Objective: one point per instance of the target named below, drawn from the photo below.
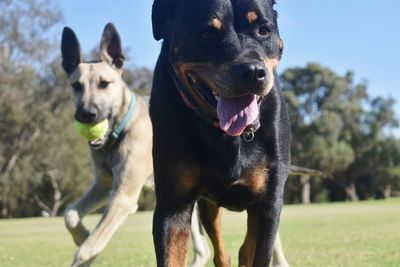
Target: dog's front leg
(262, 224)
(118, 209)
(94, 198)
(171, 232)
(123, 201)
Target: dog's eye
(103, 84)
(208, 34)
(78, 87)
(263, 31)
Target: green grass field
(347, 234)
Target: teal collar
(116, 133)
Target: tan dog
(121, 161)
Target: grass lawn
(338, 235)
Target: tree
(41, 159)
(335, 124)
(384, 179)
(139, 79)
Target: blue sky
(361, 35)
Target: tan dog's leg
(201, 250)
(123, 201)
(278, 258)
(211, 216)
(94, 198)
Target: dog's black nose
(250, 73)
(86, 115)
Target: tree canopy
(337, 125)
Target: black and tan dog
(221, 129)
(121, 161)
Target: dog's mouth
(99, 143)
(203, 88)
(235, 113)
(96, 144)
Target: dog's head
(227, 47)
(97, 86)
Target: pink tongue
(235, 114)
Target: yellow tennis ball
(93, 131)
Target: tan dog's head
(97, 86)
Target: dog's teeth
(216, 96)
(97, 142)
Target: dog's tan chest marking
(255, 180)
(188, 178)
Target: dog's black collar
(205, 108)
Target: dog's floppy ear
(70, 50)
(161, 13)
(111, 50)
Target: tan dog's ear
(110, 46)
(70, 50)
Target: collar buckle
(248, 136)
(249, 133)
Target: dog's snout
(250, 73)
(86, 115)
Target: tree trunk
(351, 192)
(305, 189)
(58, 199)
(387, 191)
(4, 206)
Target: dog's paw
(83, 258)
(222, 260)
(285, 264)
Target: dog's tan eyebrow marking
(251, 16)
(216, 23)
